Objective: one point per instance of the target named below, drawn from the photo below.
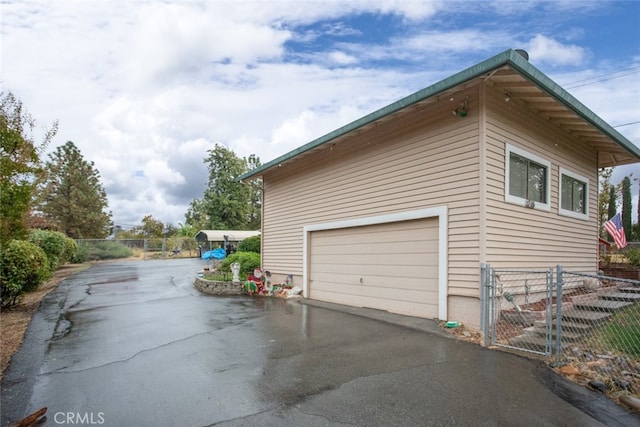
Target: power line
(601, 80)
(635, 67)
(627, 124)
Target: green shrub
(633, 255)
(248, 262)
(107, 249)
(250, 244)
(82, 253)
(23, 267)
(52, 243)
(70, 250)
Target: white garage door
(391, 266)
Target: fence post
(492, 305)
(549, 315)
(559, 284)
(144, 250)
(484, 323)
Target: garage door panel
(346, 251)
(391, 283)
(374, 298)
(367, 238)
(382, 228)
(373, 247)
(369, 286)
(409, 308)
(398, 264)
(421, 271)
(395, 260)
(389, 235)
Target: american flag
(615, 229)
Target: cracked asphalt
(134, 344)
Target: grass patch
(622, 332)
(98, 250)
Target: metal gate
(569, 314)
(591, 322)
(518, 309)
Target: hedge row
(25, 264)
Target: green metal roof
(509, 58)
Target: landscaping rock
(598, 385)
(212, 287)
(631, 402)
(622, 384)
(569, 370)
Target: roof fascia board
(509, 57)
(556, 91)
(414, 98)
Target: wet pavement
(134, 344)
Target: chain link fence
(520, 306)
(588, 326)
(153, 248)
(600, 330)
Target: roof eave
(509, 57)
(561, 95)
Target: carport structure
(208, 239)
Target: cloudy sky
(145, 88)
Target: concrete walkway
(133, 343)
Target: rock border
(214, 287)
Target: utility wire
(635, 67)
(574, 86)
(627, 124)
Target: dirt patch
(15, 321)
(464, 333)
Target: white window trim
(565, 212)
(519, 200)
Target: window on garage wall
(527, 179)
(574, 195)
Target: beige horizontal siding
(427, 158)
(424, 158)
(518, 237)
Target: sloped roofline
(509, 57)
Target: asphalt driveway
(134, 344)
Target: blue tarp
(214, 254)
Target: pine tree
(72, 197)
(637, 238)
(255, 201)
(603, 198)
(612, 208)
(626, 208)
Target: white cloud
(546, 50)
(144, 89)
(177, 42)
(456, 41)
(342, 58)
(161, 175)
(295, 131)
